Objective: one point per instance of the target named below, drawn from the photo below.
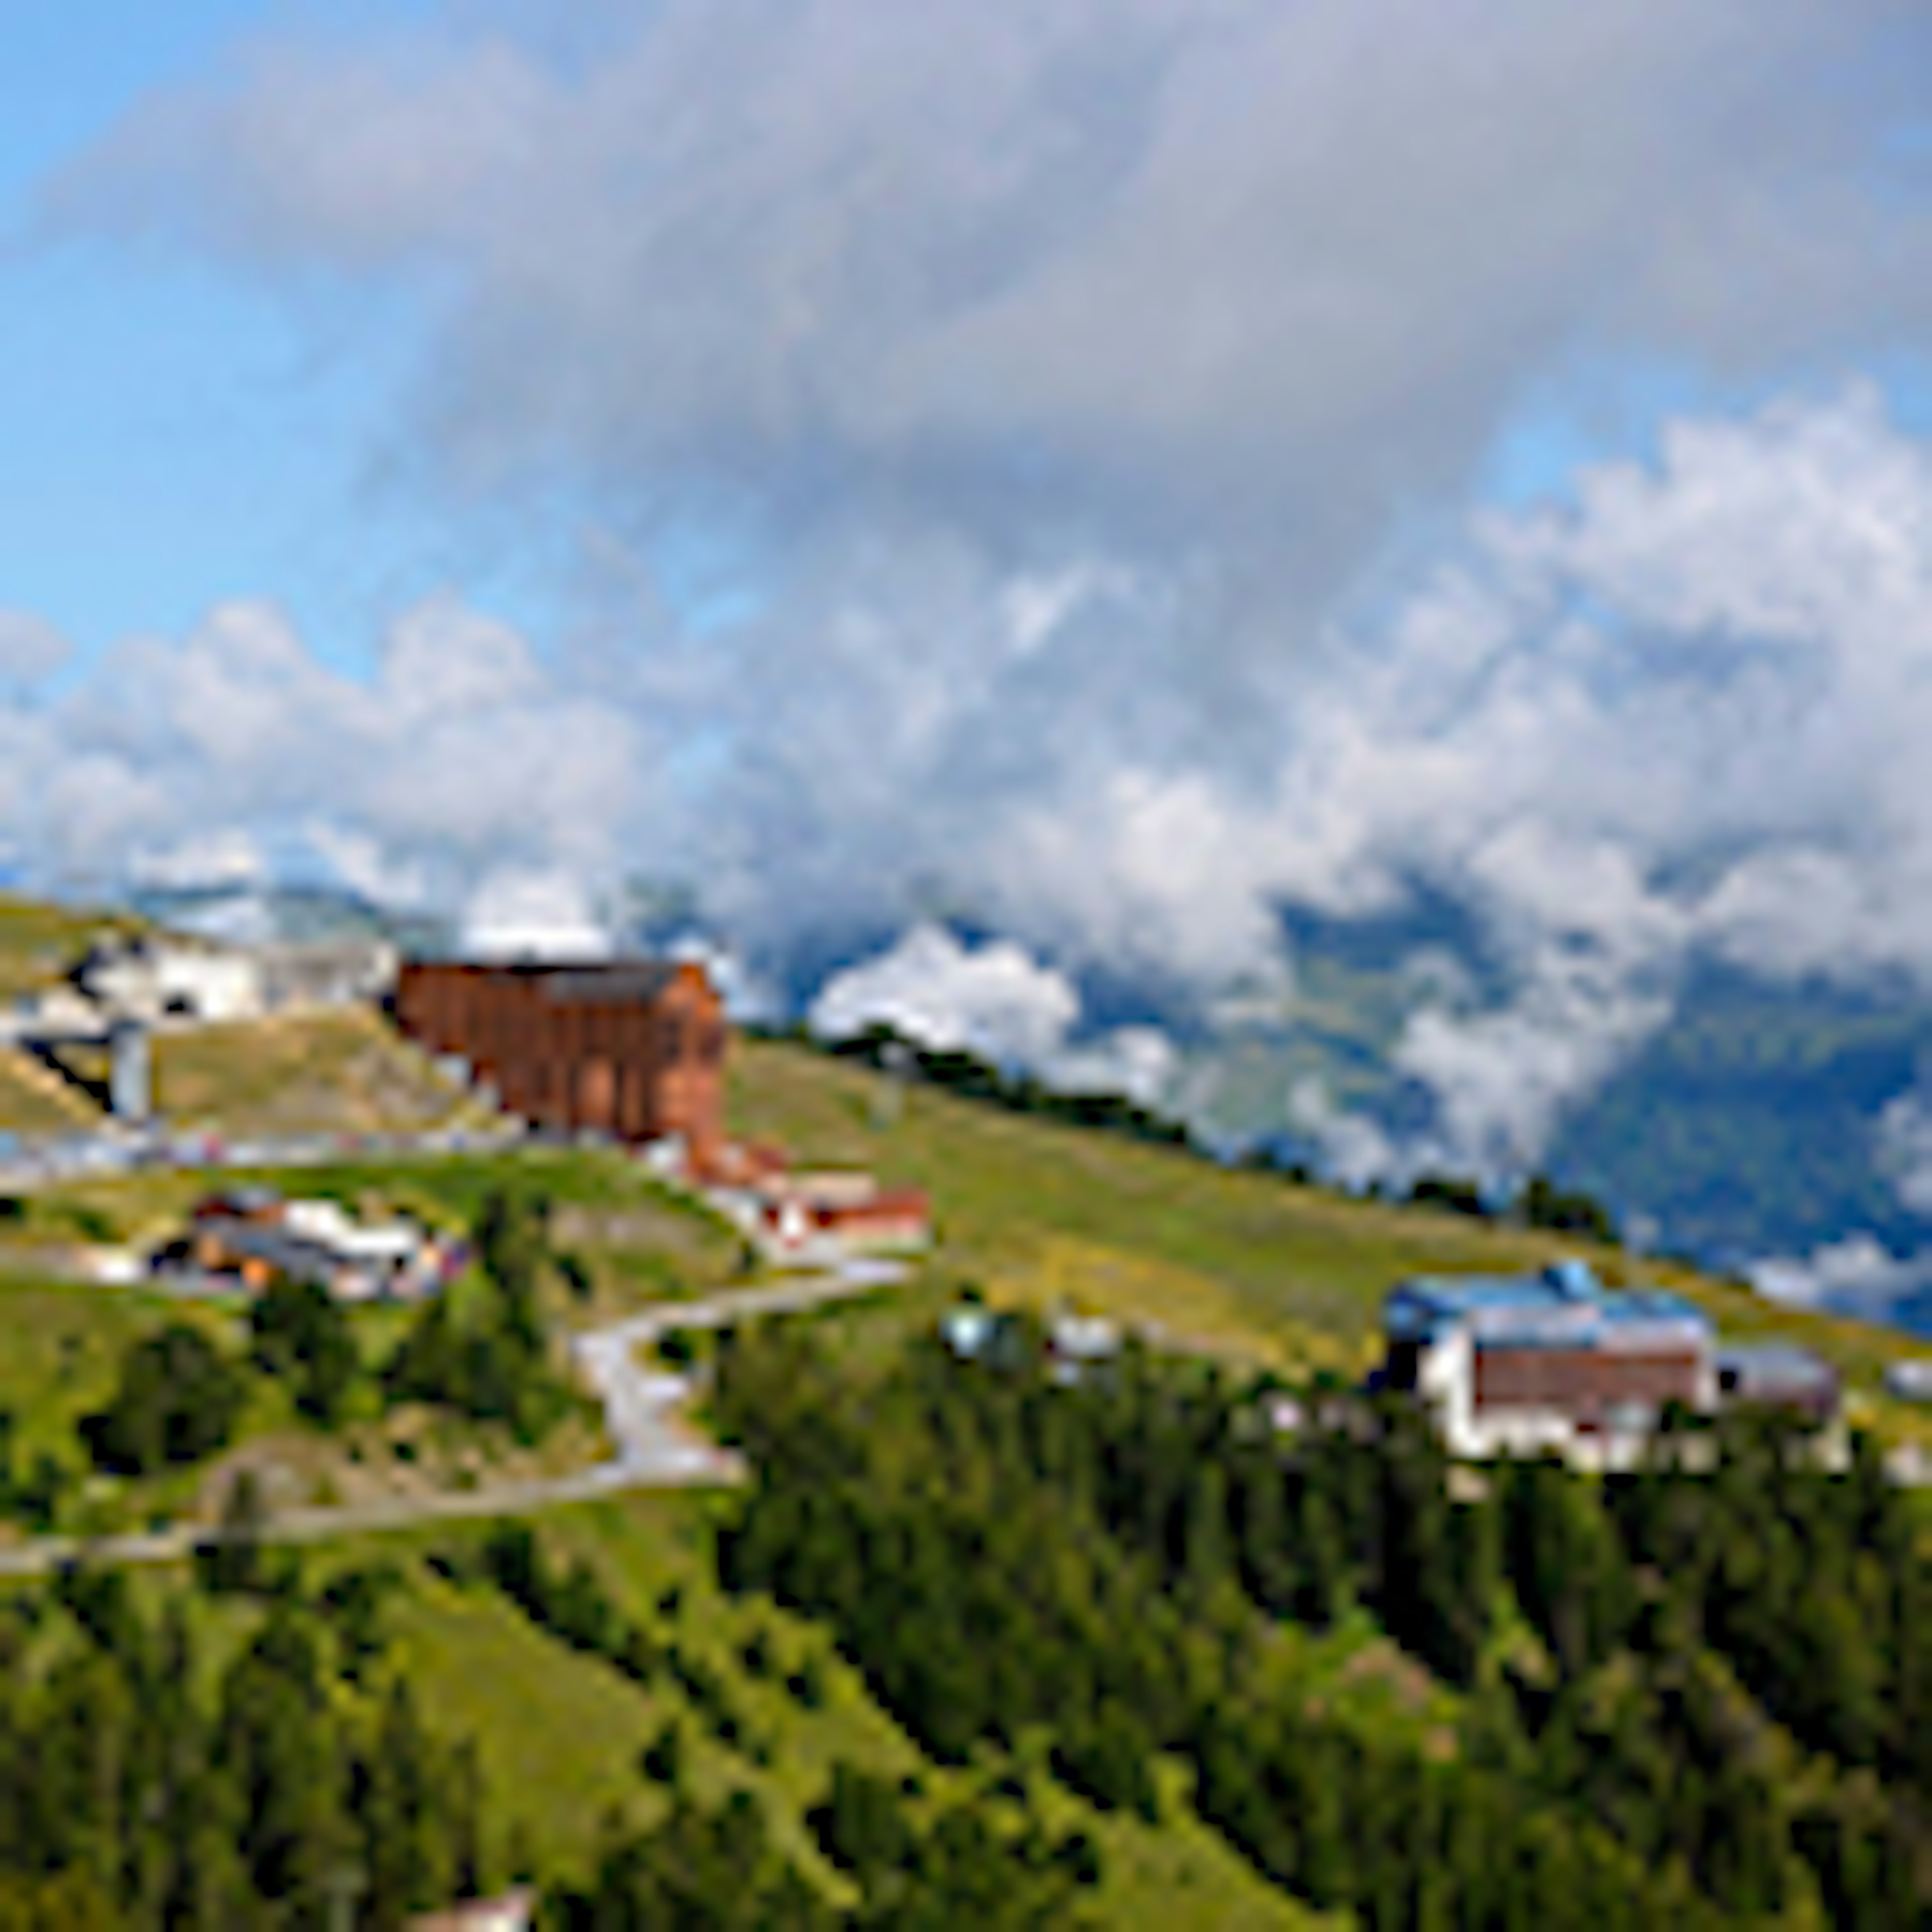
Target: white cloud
(229, 855)
(1502, 1079)
(1853, 1276)
(1050, 371)
(1687, 712)
(442, 659)
(1353, 1149)
(996, 1000)
(1139, 1061)
(31, 649)
(1904, 1149)
(1178, 250)
(527, 915)
(360, 863)
(237, 749)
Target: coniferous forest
(1697, 1694)
(1700, 1694)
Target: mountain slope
(1248, 1263)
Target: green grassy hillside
(633, 1241)
(40, 941)
(340, 1072)
(637, 1241)
(1037, 1212)
(34, 1100)
(346, 1072)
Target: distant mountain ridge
(1752, 1122)
(255, 914)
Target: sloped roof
(1564, 1306)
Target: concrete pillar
(129, 1080)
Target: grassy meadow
(1248, 1264)
(39, 941)
(343, 1072)
(34, 1100)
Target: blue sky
(175, 435)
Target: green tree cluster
(137, 1793)
(975, 1077)
(1000, 1552)
(722, 1870)
(489, 1358)
(302, 1334)
(179, 1399)
(32, 1495)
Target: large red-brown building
(632, 1049)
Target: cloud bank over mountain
(1031, 459)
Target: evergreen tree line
(144, 1800)
(490, 1359)
(1645, 1662)
(975, 1077)
(1538, 1202)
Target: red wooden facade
(1586, 1384)
(635, 1049)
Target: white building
(514, 1911)
(157, 980)
(1519, 1366)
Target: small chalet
(1078, 1344)
(255, 1236)
(850, 1211)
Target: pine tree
(231, 1561)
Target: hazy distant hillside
(1754, 1121)
(256, 915)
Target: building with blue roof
(1522, 1364)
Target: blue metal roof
(1564, 1303)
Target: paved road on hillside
(27, 1165)
(655, 1448)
